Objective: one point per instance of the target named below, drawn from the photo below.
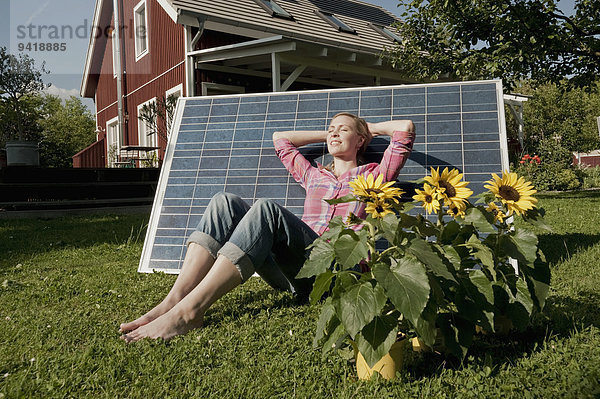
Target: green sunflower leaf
(336, 335)
(535, 217)
(376, 339)
(406, 284)
(326, 319)
(351, 248)
(321, 257)
(483, 221)
(422, 250)
(341, 200)
(538, 281)
(359, 305)
(521, 246)
(457, 334)
(483, 285)
(321, 286)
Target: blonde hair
(362, 129)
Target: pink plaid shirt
(321, 183)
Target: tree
(569, 118)
(508, 39)
(19, 79)
(30, 117)
(67, 129)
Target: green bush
(553, 171)
(550, 176)
(554, 114)
(591, 177)
(558, 122)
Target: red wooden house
(211, 47)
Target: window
(170, 95)
(113, 141)
(335, 21)
(114, 52)
(217, 89)
(147, 135)
(386, 31)
(141, 29)
(274, 9)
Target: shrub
(551, 170)
(591, 177)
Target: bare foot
(167, 326)
(153, 314)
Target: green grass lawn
(66, 284)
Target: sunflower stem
(440, 214)
(371, 242)
(390, 249)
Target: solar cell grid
(224, 143)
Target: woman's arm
(388, 128)
(402, 137)
(298, 138)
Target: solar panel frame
(442, 109)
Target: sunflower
(457, 211)
(497, 212)
(368, 189)
(454, 191)
(514, 191)
(378, 208)
(430, 197)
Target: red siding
(151, 76)
(91, 157)
(587, 160)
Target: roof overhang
(95, 50)
(299, 60)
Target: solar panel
(224, 143)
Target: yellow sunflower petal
(513, 191)
(378, 209)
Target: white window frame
(138, 52)
(171, 91)
(110, 139)
(224, 89)
(274, 9)
(335, 21)
(142, 128)
(387, 32)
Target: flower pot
(387, 366)
(438, 346)
(22, 153)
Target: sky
(22, 22)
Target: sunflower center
(509, 193)
(428, 198)
(379, 209)
(450, 190)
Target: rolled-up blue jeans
(264, 238)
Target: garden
(65, 287)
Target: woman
(234, 240)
